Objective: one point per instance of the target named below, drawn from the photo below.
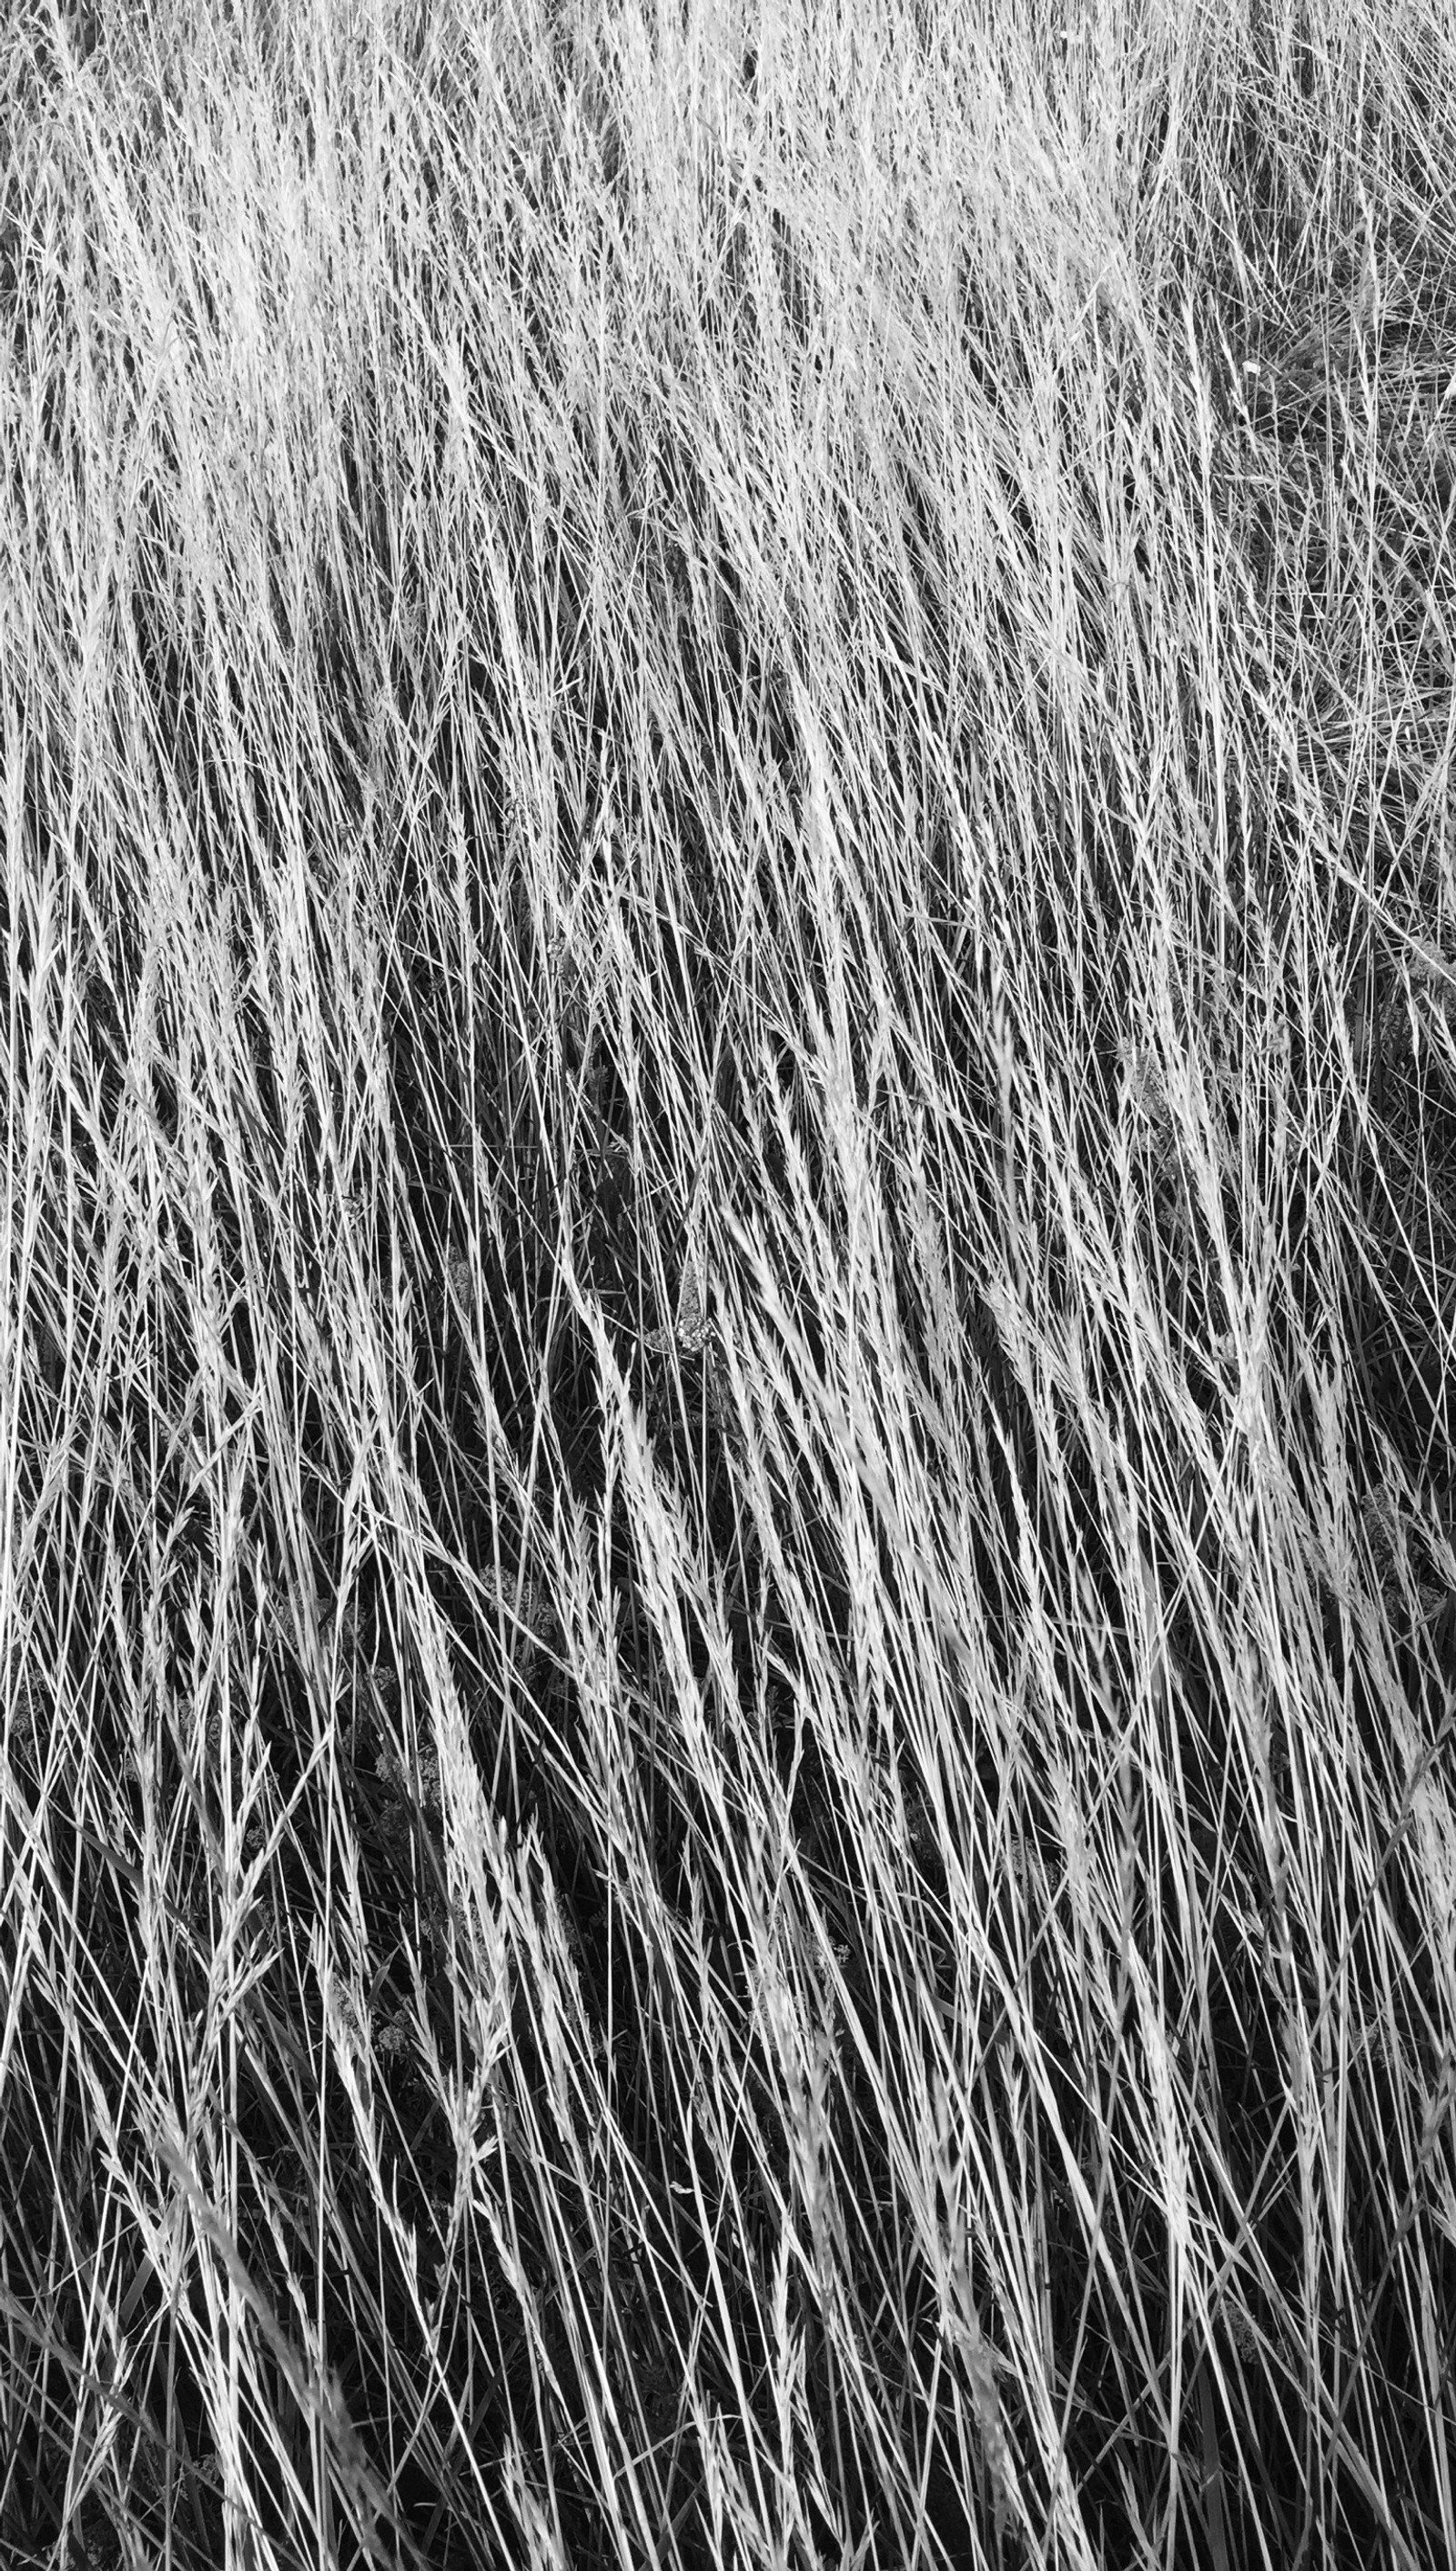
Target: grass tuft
(727, 1530)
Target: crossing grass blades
(727, 1581)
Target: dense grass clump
(727, 1610)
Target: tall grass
(726, 1594)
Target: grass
(726, 1598)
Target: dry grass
(727, 1595)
